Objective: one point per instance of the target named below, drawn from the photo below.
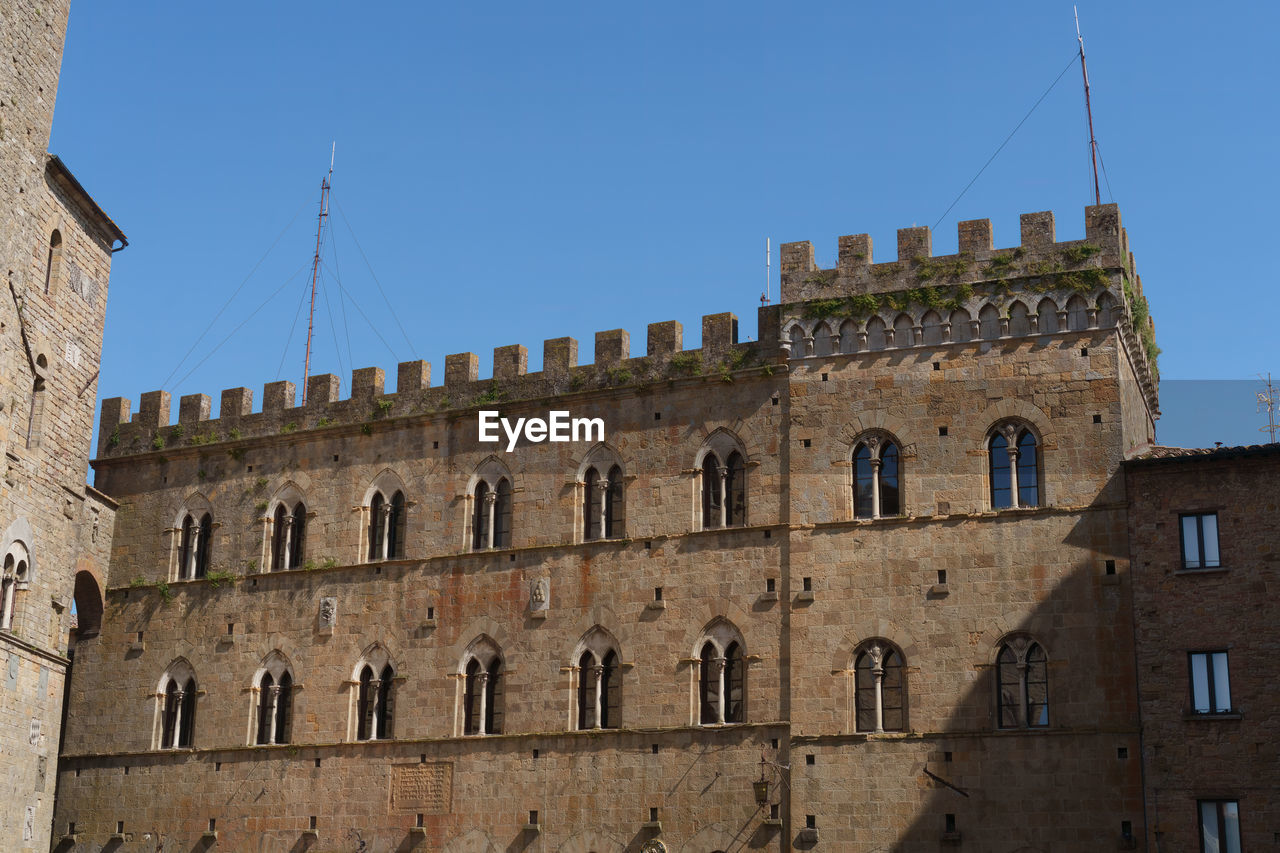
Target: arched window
(374, 702)
(848, 336)
(387, 524)
(876, 478)
(879, 688)
(599, 682)
(988, 322)
(1077, 314)
(961, 326)
(1022, 685)
(875, 334)
(288, 536)
(176, 707)
(822, 339)
(482, 704)
(273, 693)
(15, 575)
(602, 504)
(721, 677)
(491, 514)
(193, 555)
(1047, 315)
(724, 490)
(35, 409)
(1019, 320)
(1014, 466)
(903, 332)
(53, 266)
(932, 327)
(798, 347)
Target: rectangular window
(1200, 541)
(1219, 826)
(1210, 686)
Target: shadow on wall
(1009, 769)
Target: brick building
(876, 559)
(1203, 530)
(55, 255)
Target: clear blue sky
(515, 172)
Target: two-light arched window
(1022, 685)
(879, 688)
(195, 547)
(176, 707)
(274, 695)
(599, 682)
(482, 689)
(375, 696)
(724, 490)
(386, 526)
(16, 573)
(602, 503)
(877, 483)
(1014, 466)
(721, 677)
(491, 515)
(288, 536)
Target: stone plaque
(426, 788)
(327, 618)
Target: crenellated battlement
(1105, 246)
(124, 433)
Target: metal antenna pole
(315, 269)
(1268, 399)
(767, 296)
(1093, 143)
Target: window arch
(195, 545)
(1022, 684)
(491, 510)
(599, 688)
(879, 688)
(15, 575)
(961, 326)
(989, 322)
(1077, 314)
(1014, 466)
(875, 334)
(374, 706)
(877, 480)
(799, 349)
(387, 525)
(1019, 319)
(288, 536)
(53, 265)
(176, 707)
(273, 693)
(603, 497)
(903, 331)
(1047, 315)
(931, 326)
(822, 339)
(721, 681)
(482, 688)
(723, 470)
(848, 336)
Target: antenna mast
(315, 268)
(1093, 143)
(767, 296)
(1268, 399)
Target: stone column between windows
(177, 718)
(721, 487)
(190, 568)
(375, 707)
(482, 687)
(602, 487)
(1011, 443)
(720, 663)
(490, 501)
(286, 557)
(875, 487)
(597, 672)
(386, 531)
(877, 673)
(271, 721)
(7, 608)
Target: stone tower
(54, 530)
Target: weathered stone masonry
(857, 356)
